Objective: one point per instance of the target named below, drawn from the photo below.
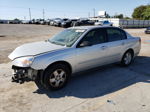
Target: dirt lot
(107, 89)
(12, 36)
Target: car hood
(35, 48)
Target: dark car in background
(4, 21)
(147, 31)
(46, 22)
(63, 20)
(39, 21)
(68, 23)
(83, 22)
(15, 21)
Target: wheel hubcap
(128, 58)
(57, 78)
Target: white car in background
(103, 23)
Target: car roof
(91, 27)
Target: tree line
(142, 12)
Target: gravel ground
(13, 35)
(106, 89)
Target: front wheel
(56, 76)
(127, 58)
(39, 82)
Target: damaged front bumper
(23, 74)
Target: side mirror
(85, 43)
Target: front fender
(41, 62)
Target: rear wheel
(127, 58)
(56, 76)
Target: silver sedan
(50, 63)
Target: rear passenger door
(116, 41)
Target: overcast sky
(10, 9)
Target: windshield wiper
(56, 43)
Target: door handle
(122, 43)
(104, 47)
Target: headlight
(23, 61)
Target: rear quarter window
(115, 34)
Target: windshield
(67, 37)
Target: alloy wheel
(57, 78)
(127, 58)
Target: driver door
(94, 54)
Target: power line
(39, 10)
(35, 11)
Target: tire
(127, 58)
(56, 76)
(59, 25)
(39, 82)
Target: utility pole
(30, 14)
(24, 17)
(93, 12)
(43, 14)
(89, 14)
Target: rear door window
(115, 34)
